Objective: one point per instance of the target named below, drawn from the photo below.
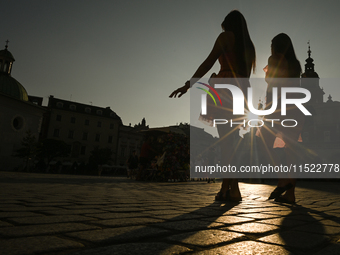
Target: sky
(130, 55)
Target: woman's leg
(291, 136)
(229, 186)
(267, 137)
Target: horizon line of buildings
(83, 127)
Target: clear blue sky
(130, 55)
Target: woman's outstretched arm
(224, 42)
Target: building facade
(84, 127)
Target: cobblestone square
(69, 214)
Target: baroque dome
(11, 87)
(8, 85)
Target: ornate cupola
(8, 85)
(6, 60)
(310, 80)
(309, 66)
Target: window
(85, 134)
(82, 150)
(18, 123)
(88, 110)
(71, 134)
(110, 139)
(58, 118)
(73, 107)
(99, 112)
(99, 124)
(97, 137)
(60, 105)
(87, 122)
(111, 126)
(122, 152)
(56, 132)
(5, 67)
(73, 120)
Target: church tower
(8, 85)
(310, 80)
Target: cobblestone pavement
(64, 214)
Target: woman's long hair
(244, 47)
(282, 44)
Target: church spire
(309, 51)
(312, 81)
(309, 66)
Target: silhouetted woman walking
(236, 54)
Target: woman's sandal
(222, 196)
(278, 191)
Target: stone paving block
(229, 219)
(95, 203)
(305, 218)
(5, 224)
(258, 216)
(13, 208)
(73, 212)
(176, 217)
(33, 230)
(32, 245)
(191, 206)
(31, 209)
(318, 229)
(188, 225)
(253, 228)
(331, 222)
(112, 215)
(4, 201)
(161, 207)
(205, 237)
(296, 239)
(126, 222)
(137, 248)
(282, 222)
(331, 214)
(111, 235)
(252, 210)
(48, 203)
(278, 213)
(246, 248)
(163, 212)
(78, 207)
(320, 216)
(50, 219)
(18, 214)
(211, 212)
